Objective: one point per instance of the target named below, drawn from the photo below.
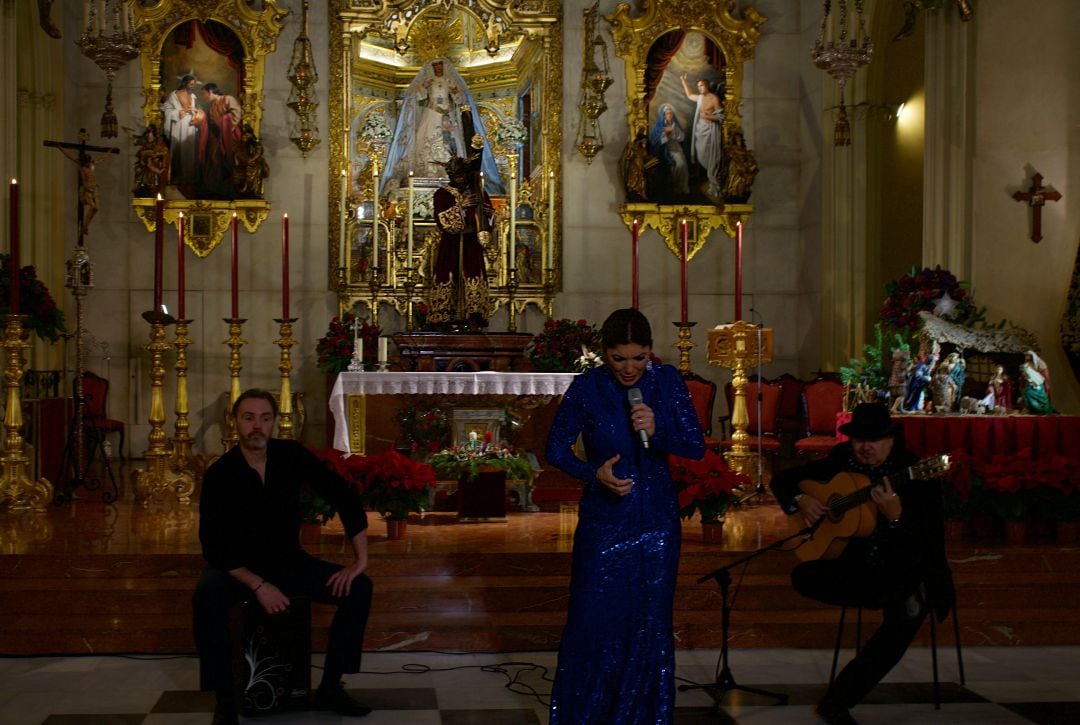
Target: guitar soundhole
(836, 512)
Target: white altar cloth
(483, 383)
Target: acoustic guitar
(852, 513)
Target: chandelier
(595, 79)
(110, 39)
(302, 99)
(843, 47)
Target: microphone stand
(725, 681)
(759, 486)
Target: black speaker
(271, 656)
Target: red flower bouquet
(557, 348)
(390, 484)
(43, 317)
(706, 486)
(918, 291)
(335, 348)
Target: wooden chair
(790, 415)
(768, 442)
(822, 400)
(703, 396)
(96, 419)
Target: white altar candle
(409, 211)
(375, 213)
(513, 217)
(383, 352)
(342, 245)
(360, 349)
(551, 221)
(101, 17)
(86, 16)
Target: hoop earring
(648, 364)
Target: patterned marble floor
(1004, 685)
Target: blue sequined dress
(617, 655)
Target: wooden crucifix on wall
(1036, 198)
(87, 164)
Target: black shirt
(244, 523)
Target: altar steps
(469, 601)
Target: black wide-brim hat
(869, 422)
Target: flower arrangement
(706, 486)
(555, 348)
(465, 461)
(335, 348)
(589, 359)
(511, 131)
(389, 483)
(426, 427)
(375, 127)
(929, 290)
(43, 317)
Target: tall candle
(684, 298)
(285, 266)
(375, 213)
(159, 244)
(513, 220)
(738, 271)
(551, 220)
(235, 268)
(409, 212)
(342, 245)
(14, 262)
(383, 352)
(634, 270)
(180, 266)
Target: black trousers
(855, 584)
(218, 591)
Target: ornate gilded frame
(258, 31)
(634, 36)
(531, 51)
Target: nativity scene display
(448, 180)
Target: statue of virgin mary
(429, 130)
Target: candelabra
(157, 480)
(841, 56)
(374, 283)
(235, 342)
(410, 288)
(110, 39)
(303, 99)
(549, 292)
(685, 345)
(285, 409)
(511, 290)
(17, 489)
(183, 458)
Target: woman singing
(617, 656)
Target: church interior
(813, 203)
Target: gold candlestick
(738, 346)
(511, 289)
(157, 479)
(685, 345)
(236, 326)
(549, 292)
(17, 489)
(374, 282)
(285, 409)
(184, 459)
(410, 287)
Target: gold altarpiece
(256, 29)
(509, 56)
(640, 36)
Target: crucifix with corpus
(1036, 197)
(87, 164)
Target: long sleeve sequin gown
(617, 655)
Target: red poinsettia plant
(557, 348)
(335, 348)
(43, 317)
(389, 483)
(706, 487)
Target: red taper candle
(180, 266)
(285, 266)
(159, 249)
(685, 263)
(738, 271)
(634, 270)
(14, 262)
(235, 267)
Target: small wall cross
(1036, 198)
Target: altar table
(347, 403)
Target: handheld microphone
(633, 396)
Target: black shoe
(834, 714)
(335, 698)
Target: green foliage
(872, 371)
(466, 461)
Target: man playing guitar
(892, 555)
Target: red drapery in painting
(220, 39)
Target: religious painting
(203, 63)
(437, 98)
(686, 156)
